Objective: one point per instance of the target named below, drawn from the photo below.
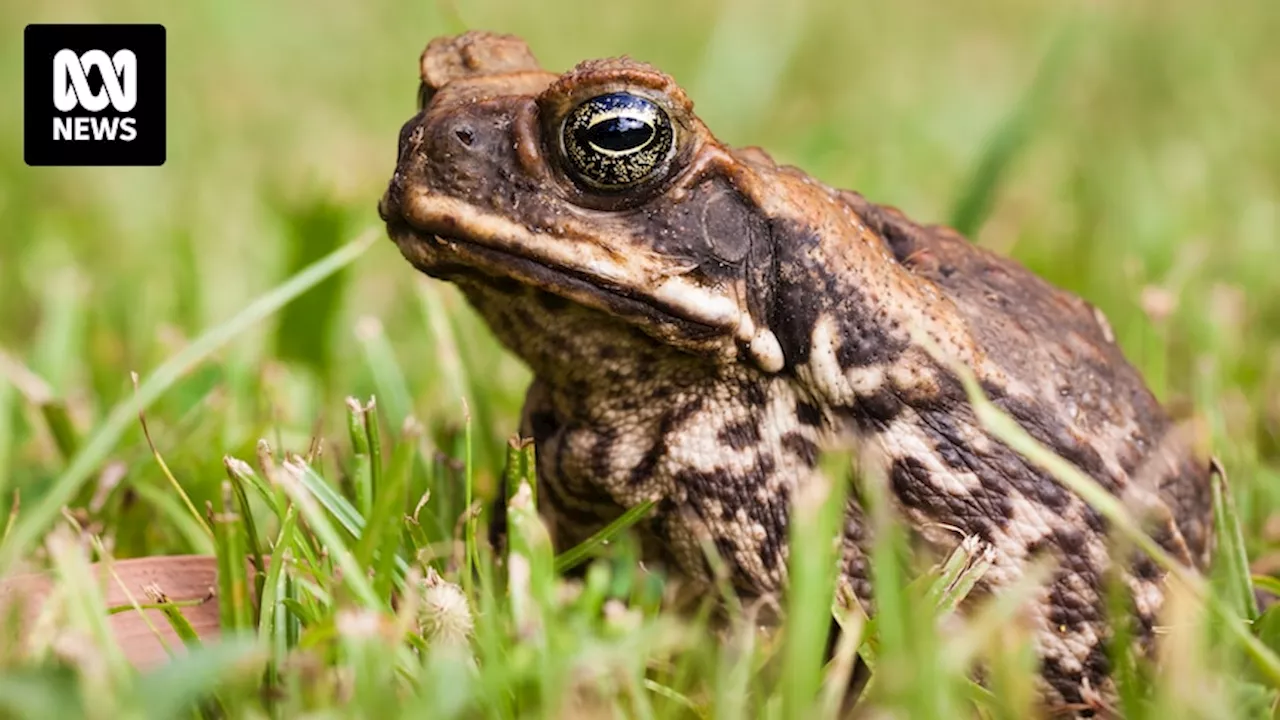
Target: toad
(702, 323)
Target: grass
(1126, 150)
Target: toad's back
(1090, 405)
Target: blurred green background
(1127, 150)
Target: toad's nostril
(465, 136)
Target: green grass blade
(371, 661)
(331, 500)
(175, 513)
(1231, 549)
(529, 467)
(907, 667)
(250, 529)
(384, 526)
(362, 461)
(234, 602)
(961, 572)
(244, 474)
(181, 626)
(40, 393)
(174, 688)
(314, 227)
(1267, 583)
(352, 574)
(531, 568)
(164, 467)
(373, 436)
(388, 516)
(520, 466)
(839, 672)
(734, 674)
(6, 437)
(339, 507)
(579, 553)
(32, 694)
(172, 612)
(452, 366)
(818, 512)
(388, 377)
(973, 207)
(59, 341)
(469, 474)
(41, 514)
(60, 427)
(86, 613)
(280, 556)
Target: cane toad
(702, 322)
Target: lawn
(1128, 151)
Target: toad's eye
(616, 141)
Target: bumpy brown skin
(701, 339)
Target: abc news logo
(107, 105)
(71, 90)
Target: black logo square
(94, 94)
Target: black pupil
(618, 134)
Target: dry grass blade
(164, 467)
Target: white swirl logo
(71, 80)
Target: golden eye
(616, 141)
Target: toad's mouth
(454, 259)
(433, 237)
